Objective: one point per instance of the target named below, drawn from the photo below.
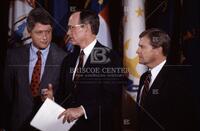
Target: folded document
(46, 119)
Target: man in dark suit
(22, 86)
(164, 98)
(91, 90)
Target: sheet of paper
(46, 119)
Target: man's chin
(43, 47)
(74, 43)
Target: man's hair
(92, 18)
(158, 38)
(38, 15)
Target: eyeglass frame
(72, 27)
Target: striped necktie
(80, 65)
(145, 87)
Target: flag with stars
(18, 13)
(134, 24)
(101, 7)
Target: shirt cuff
(85, 115)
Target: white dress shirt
(87, 50)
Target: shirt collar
(87, 50)
(156, 70)
(44, 51)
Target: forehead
(39, 26)
(74, 18)
(144, 41)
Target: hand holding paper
(71, 114)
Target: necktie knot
(148, 76)
(39, 53)
(81, 55)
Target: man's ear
(88, 27)
(159, 50)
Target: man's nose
(44, 35)
(68, 32)
(137, 51)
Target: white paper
(46, 119)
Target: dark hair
(90, 17)
(158, 39)
(38, 15)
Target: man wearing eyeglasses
(31, 69)
(91, 88)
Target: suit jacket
(20, 106)
(169, 103)
(96, 90)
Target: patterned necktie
(145, 88)
(80, 65)
(35, 81)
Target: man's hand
(47, 93)
(71, 114)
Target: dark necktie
(145, 88)
(80, 65)
(35, 81)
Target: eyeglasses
(72, 27)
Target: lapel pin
(155, 91)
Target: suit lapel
(88, 62)
(47, 74)
(73, 60)
(159, 80)
(75, 56)
(25, 71)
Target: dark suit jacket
(169, 103)
(19, 104)
(98, 92)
